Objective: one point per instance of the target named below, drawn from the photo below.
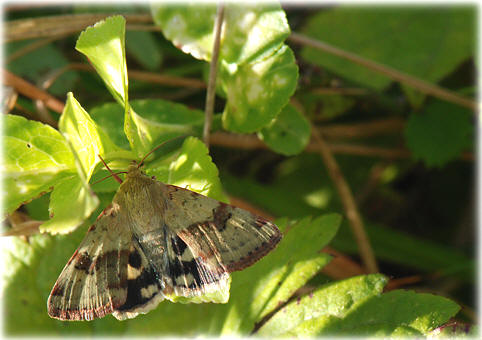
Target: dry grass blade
(213, 70)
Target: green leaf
(87, 141)
(257, 74)
(401, 248)
(433, 43)
(289, 133)
(193, 169)
(104, 45)
(144, 48)
(86, 138)
(137, 130)
(110, 116)
(279, 274)
(164, 120)
(189, 27)
(38, 209)
(336, 299)
(257, 91)
(385, 314)
(251, 31)
(71, 203)
(36, 156)
(440, 133)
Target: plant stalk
(213, 70)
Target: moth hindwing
(155, 242)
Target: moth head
(133, 170)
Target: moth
(153, 242)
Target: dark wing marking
(144, 289)
(178, 271)
(190, 276)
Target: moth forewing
(158, 241)
(93, 282)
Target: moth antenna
(157, 147)
(111, 175)
(117, 178)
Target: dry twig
(249, 142)
(45, 27)
(213, 70)
(31, 91)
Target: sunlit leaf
(166, 120)
(250, 31)
(387, 313)
(104, 45)
(36, 157)
(256, 92)
(71, 203)
(193, 169)
(334, 300)
(87, 139)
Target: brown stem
(376, 127)
(392, 73)
(342, 91)
(31, 91)
(341, 266)
(10, 97)
(167, 80)
(249, 142)
(403, 281)
(351, 210)
(22, 225)
(363, 150)
(213, 70)
(45, 27)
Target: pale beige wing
(94, 281)
(219, 233)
